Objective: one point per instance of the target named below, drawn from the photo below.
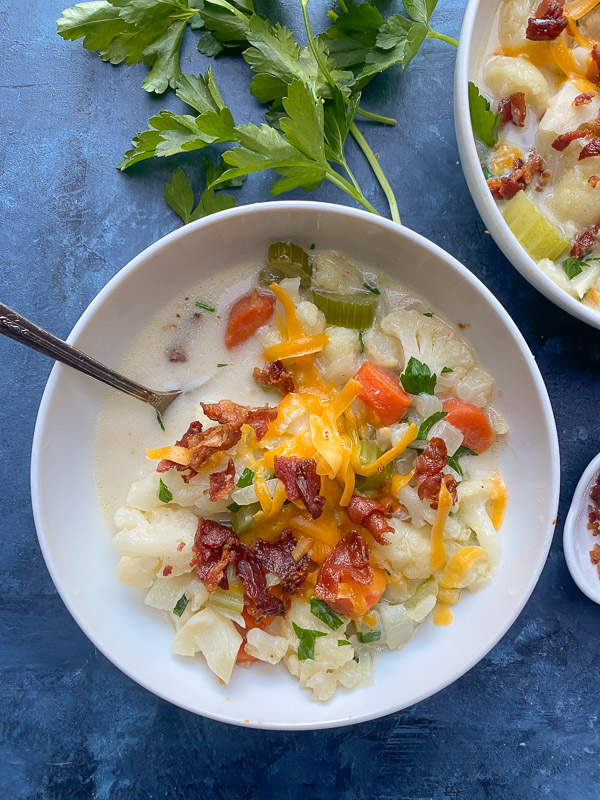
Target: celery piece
(291, 260)
(269, 275)
(243, 520)
(369, 452)
(533, 229)
(351, 310)
(228, 600)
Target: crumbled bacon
(594, 508)
(221, 483)
(595, 54)
(593, 180)
(180, 546)
(590, 149)
(372, 514)
(177, 354)
(214, 547)
(429, 472)
(262, 602)
(583, 99)
(188, 473)
(230, 413)
(276, 557)
(584, 241)
(299, 476)
(213, 440)
(564, 139)
(167, 570)
(522, 175)
(275, 375)
(513, 109)
(595, 557)
(347, 562)
(548, 22)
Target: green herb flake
(322, 611)
(246, 478)
(361, 341)
(205, 306)
(453, 460)
(181, 606)
(367, 638)
(427, 314)
(159, 420)
(312, 247)
(485, 123)
(222, 365)
(306, 641)
(428, 424)
(233, 507)
(165, 495)
(342, 642)
(446, 370)
(417, 378)
(371, 288)
(487, 173)
(574, 267)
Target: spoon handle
(28, 333)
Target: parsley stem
(379, 174)
(435, 35)
(347, 187)
(343, 6)
(376, 117)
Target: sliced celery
(291, 261)
(243, 520)
(230, 600)
(533, 229)
(269, 275)
(351, 310)
(369, 452)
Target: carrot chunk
(383, 393)
(472, 422)
(247, 315)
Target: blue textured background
(523, 723)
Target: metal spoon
(578, 539)
(23, 330)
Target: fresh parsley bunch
(313, 93)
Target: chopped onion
(583, 282)
(247, 495)
(397, 626)
(451, 435)
(426, 404)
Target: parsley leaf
(306, 641)
(574, 267)
(428, 424)
(205, 306)
(487, 172)
(371, 288)
(446, 370)
(165, 495)
(417, 378)
(453, 460)
(179, 196)
(322, 611)
(233, 507)
(401, 39)
(361, 341)
(181, 605)
(420, 10)
(246, 478)
(371, 636)
(342, 642)
(485, 123)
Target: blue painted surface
(522, 723)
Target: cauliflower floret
(432, 341)
(473, 497)
(476, 387)
(505, 75)
(310, 317)
(454, 576)
(563, 116)
(338, 359)
(332, 270)
(408, 551)
(384, 350)
(574, 199)
(138, 572)
(589, 25)
(265, 646)
(212, 635)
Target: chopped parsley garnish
(165, 495)
(233, 507)
(367, 638)
(181, 606)
(574, 267)
(205, 306)
(306, 641)
(428, 423)
(312, 247)
(453, 460)
(159, 420)
(371, 288)
(322, 611)
(361, 341)
(222, 365)
(445, 370)
(485, 123)
(417, 378)
(342, 642)
(487, 172)
(427, 314)
(246, 478)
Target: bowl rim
(136, 263)
(593, 592)
(484, 202)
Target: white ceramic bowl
(73, 535)
(473, 38)
(578, 540)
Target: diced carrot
(354, 599)
(247, 315)
(243, 657)
(252, 623)
(383, 393)
(472, 422)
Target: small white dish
(473, 37)
(74, 537)
(578, 540)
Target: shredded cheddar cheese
(391, 454)
(458, 565)
(302, 346)
(438, 552)
(579, 8)
(178, 455)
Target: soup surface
(328, 482)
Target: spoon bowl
(578, 539)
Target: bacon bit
(232, 414)
(463, 325)
(595, 54)
(188, 473)
(513, 109)
(177, 355)
(221, 483)
(167, 570)
(594, 508)
(593, 180)
(564, 139)
(591, 149)
(595, 557)
(584, 98)
(214, 547)
(347, 562)
(180, 546)
(584, 241)
(429, 467)
(213, 440)
(276, 557)
(276, 376)
(262, 602)
(371, 514)
(299, 476)
(522, 174)
(548, 22)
